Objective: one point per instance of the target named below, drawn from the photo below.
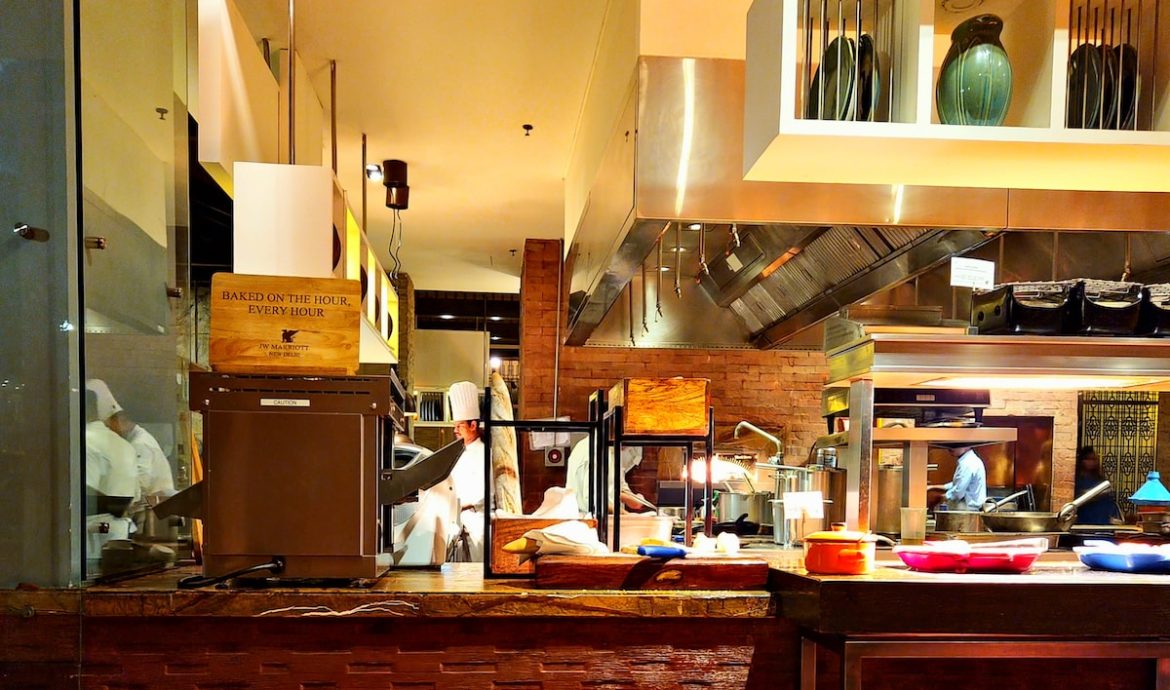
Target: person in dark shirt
(1102, 510)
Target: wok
(969, 521)
(1042, 522)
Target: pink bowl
(937, 561)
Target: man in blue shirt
(968, 489)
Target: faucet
(757, 430)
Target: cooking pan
(1042, 522)
(968, 521)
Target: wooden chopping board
(638, 572)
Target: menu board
(279, 324)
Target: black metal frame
(611, 424)
(597, 447)
(603, 423)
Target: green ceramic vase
(975, 81)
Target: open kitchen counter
(1057, 597)
(451, 628)
(457, 590)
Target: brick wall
(777, 390)
(1062, 407)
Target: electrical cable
(401, 235)
(390, 248)
(275, 566)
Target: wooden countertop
(457, 590)
(1057, 597)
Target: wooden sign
(278, 324)
(663, 407)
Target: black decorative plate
(831, 94)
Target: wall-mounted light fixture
(397, 190)
(374, 172)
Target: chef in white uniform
(578, 476)
(456, 504)
(110, 470)
(153, 468)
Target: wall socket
(554, 457)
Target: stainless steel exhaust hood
(675, 160)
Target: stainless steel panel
(693, 320)
(268, 491)
(598, 269)
(712, 186)
(902, 360)
(1066, 210)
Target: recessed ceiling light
(446, 317)
(664, 269)
(495, 318)
(374, 172)
(695, 226)
(678, 249)
(495, 337)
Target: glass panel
(134, 219)
(38, 305)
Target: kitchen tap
(757, 430)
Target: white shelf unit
(1032, 150)
(434, 407)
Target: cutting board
(638, 572)
(507, 529)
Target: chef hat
(107, 406)
(631, 458)
(464, 401)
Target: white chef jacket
(577, 471)
(111, 468)
(110, 462)
(439, 519)
(968, 489)
(154, 470)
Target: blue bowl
(1146, 563)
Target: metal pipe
(891, 81)
(1099, 37)
(1137, 78)
(821, 59)
(1055, 253)
(1002, 255)
(760, 432)
(1154, 65)
(1137, 92)
(365, 181)
(645, 286)
(808, 38)
(678, 260)
(557, 345)
(857, 90)
(703, 270)
(658, 280)
(1115, 120)
(838, 110)
(1068, 77)
(630, 307)
(1085, 76)
(292, 83)
(333, 112)
(1125, 273)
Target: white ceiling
(446, 85)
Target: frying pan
(1042, 522)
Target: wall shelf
(1033, 150)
